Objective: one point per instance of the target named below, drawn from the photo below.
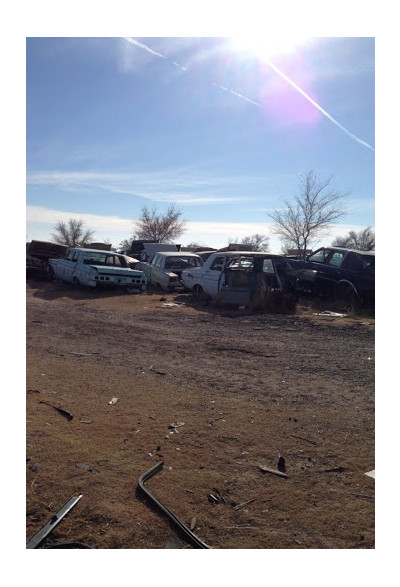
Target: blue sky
(223, 127)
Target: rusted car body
(244, 278)
(166, 268)
(38, 254)
(93, 268)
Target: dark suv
(334, 272)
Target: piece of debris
(176, 425)
(157, 371)
(186, 531)
(371, 474)
(331, 314)
(213, 498)
(52, 523)
(162, 300)
(193, 523)
(113, 401)
(172, 305)
(281, 465)
(84, 466)
(61, 411)
(211, 422)
(301, 438)
(335, 470)
(32, 391)
(86, 421)
(227, 500)
(272, 471)
(241, 505)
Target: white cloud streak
(174, 185)
(283, 76)
(41, 222)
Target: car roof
(176, 254)
(95, 251)
(349, 250)
(248, 254)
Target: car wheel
(50, 272)
(347, 298)
(76, 281)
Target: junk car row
(244, 278)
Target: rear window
(356, 262)
(182, 262)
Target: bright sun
(267, 45)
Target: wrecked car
(93, 268)
(166, 268)
(38, 254)
(244, 278)
(345, 275)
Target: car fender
(346, 283)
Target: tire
(76, 281)
(346, 297)
(50, 272)
(198, 292)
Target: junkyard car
(166, 268)
(244, 278)
(334, 272)
(92, 267)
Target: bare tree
(316, 207)
(257, 242)
(197, 245)
(160, 227)
(72, 233)
(125, 245)
(362, 241)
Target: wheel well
(343, 287)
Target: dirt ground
(216, 393)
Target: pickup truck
(93, 268)
(245, 278)
(166, 268)
(346, 275)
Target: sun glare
(268, 45)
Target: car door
(329, 272)
(69, 266)
(212, 276)
(156, 275)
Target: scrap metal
(197, 543)
(52, 523)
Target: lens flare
(268, 45)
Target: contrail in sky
(280, 73)
(324, 112)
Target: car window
(217, 264)
(70, 255)
(113, 260)
(268, 266)
(356, 262)
(336, 259)
(318, 256)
